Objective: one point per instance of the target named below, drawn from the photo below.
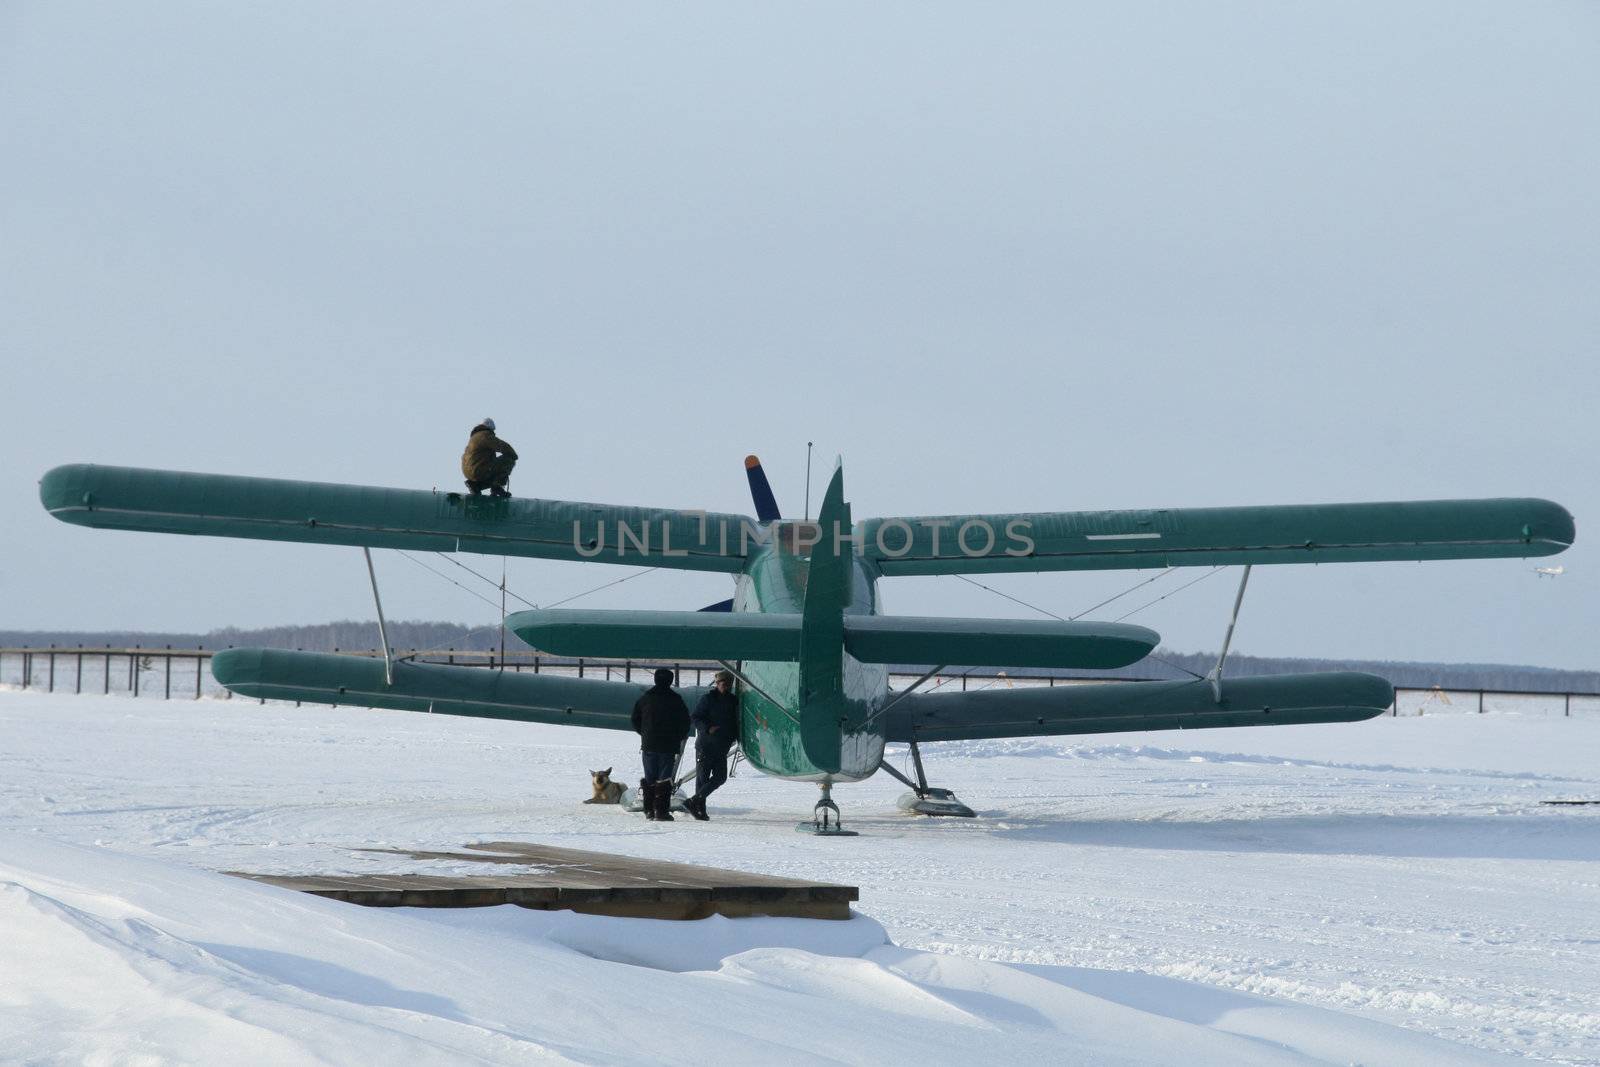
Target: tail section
(822, 697)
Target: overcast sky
(998, 257)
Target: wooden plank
(690, 872)
(572, 879)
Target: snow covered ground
(1386, 892)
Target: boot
(664, 801)
(647, 794)
(697, 807)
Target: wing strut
(1215, 676)
(383, 631)
(925, 799)
(898, 697)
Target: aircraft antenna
(807, 513)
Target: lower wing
(321, 678)
(1118, 707)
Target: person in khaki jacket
(487, 462)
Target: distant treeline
(1164, 664)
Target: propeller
(760, 491)
(766, 510)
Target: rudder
(822, 629)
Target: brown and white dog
(605, 790)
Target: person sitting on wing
(487, 462)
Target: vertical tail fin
(822, 628)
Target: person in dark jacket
(661, 719)
(487, 462)
(716, 724)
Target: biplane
(803, 632)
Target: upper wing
(274, 509)
(321, 678)
(1188, 537)
(1114, 707)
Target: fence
(184, 672)
(167, 672)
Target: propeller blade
(760, 491)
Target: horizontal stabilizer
(659, 634)
(869, 638)
(275, 509)
(1115, 707)
(358, 681)
(1204, 537)
(996, 642)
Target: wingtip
(62, 491)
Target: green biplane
(802, 632)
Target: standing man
(661, 719)
(487, 462)
(716, 723)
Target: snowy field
(1388, 892)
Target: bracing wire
(1176, 666)
(486, 578)
(1158, 600)
(1044, 611)
(1079, 615)
(596, 589)
(449, 579)
(458, 585)
(508, 591)
(1164, 596)
(505, 591)
(1014, 600)
(1122, 594)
